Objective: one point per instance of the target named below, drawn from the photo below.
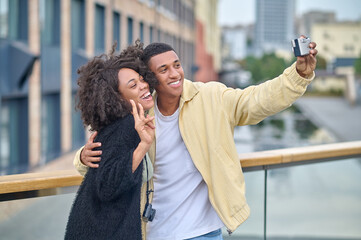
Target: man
(198, 181)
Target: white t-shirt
(180, 194)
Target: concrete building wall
(337, 40)
(65, 90)
(205, 62)
(208, 54)
(34, 102)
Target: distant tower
(274, 25)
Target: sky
(233, 12)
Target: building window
(166, 38)
(130, 31)
(4, 11)
(348, 48)
(18, 20)
(78, 131)
(78, 24)
(14, 136)
(116, 29)
(151, 34)
(4, 139)
(50, 127)
(159, 35)
(175, 44)
(99, 28)
(50, 79)
(50, 15)
(141, 31)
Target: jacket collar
(189, 91)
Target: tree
(267, 67)
(357, 66)
(321, 62)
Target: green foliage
(267, 67)
(321, 62)
(330, 93)
(357, 66)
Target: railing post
(265, 205)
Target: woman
(107, 205)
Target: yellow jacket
(208, 114)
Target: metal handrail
(26, 185)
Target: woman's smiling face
(132, 86)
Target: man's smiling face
(169, 72)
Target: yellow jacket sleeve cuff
(293, 74)
(82, 169)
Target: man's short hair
(155, 49)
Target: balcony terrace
(43, 200)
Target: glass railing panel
(40, 218)
(320, 200)
(312, 201)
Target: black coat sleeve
(114, 175)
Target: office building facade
(43, 42)
(274, 29)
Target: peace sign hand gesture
(143, 125)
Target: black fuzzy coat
(107, 205)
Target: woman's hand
(143, 125)
(146, 131)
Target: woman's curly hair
(98, 96)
